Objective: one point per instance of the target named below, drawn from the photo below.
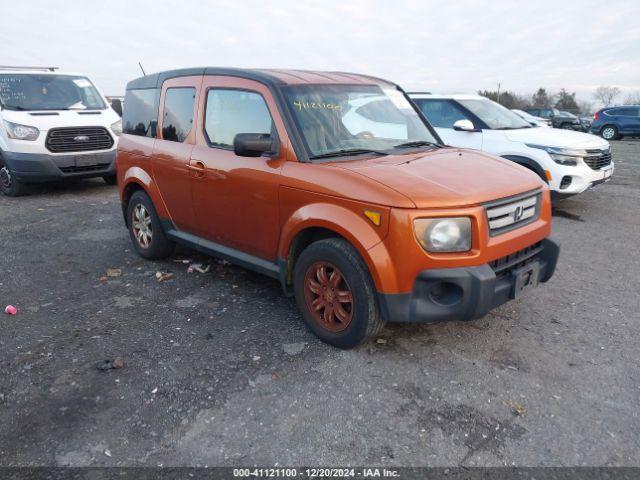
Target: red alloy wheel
(328, 296)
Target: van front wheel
(110, 179)
(9, 186)
(335, 294)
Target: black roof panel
(155, 80)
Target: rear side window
(625, 111)
(140, 112)
(441, 113)
(229, 112)
(177, 118)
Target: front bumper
(462, 293)
(41, 167)
(582, 177)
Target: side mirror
(464, 126)
(116, 104)
(253, 144)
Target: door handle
(197, 168)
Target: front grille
(598, 159)
(78, 139)
(86, 168)
(503, 266)
(514, 212)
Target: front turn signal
(375, 217)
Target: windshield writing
(346, 119)
(48, 92)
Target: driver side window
(441, 113)
(229, 112)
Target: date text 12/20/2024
(314, 473)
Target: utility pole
(498, 92)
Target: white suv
(53, 126)
(570, 162)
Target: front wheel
(335, 294)
(145, 229)
(9, 185)
(609, 132)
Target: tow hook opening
(446, 294)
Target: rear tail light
(596, 116)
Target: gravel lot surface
(219, 369)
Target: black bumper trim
(42, 167)
(475, 291)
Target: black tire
(609, 132)
(365, 320)
(158, 246)
(110, 179)
(9, 186)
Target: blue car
(613, 123)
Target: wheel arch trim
(343, 222)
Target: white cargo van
(53, 126)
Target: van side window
(441, 113)
(177, 118)
(140, 112)
(229, 112)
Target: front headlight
(21, 132)
(117, 127)
(562, 156)
(443, 234)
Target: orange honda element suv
(337, 186)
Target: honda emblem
(517, 213)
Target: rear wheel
(335, 294)
(9, 185)
(145, 229)
(609, 132)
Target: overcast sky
(445, 46)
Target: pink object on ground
(10, 310)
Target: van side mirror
(464, 126)
(253, 144)
(116, 104)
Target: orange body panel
(258, 205)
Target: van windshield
(494, 115)
(19, 91)
(342, 120)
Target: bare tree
(586, 108)
(632, 99)
(606, 94)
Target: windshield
(350, 119)
(494, 115)
(48, 92)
